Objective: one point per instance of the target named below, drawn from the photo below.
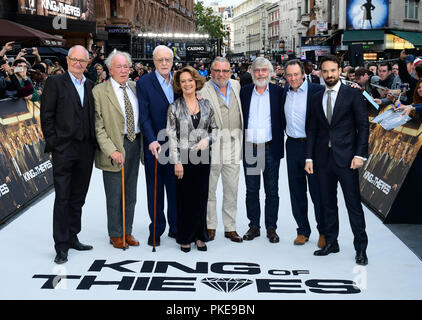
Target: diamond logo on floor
(226, 284)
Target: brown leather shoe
(321, 241)
(117, 242)
(300, 240)
(130, 240)
(211, 234)
(233, 236)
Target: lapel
(111, 95)
(72, 90)
(214, 100)
(273, 100)
(247, 105)
(157, 86)
(237, 95)
(308, 103)
(320, 109)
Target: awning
(414, 38)
(363, 37)
(26, 36)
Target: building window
(411, 9)
(113, 8)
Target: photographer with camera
(406, 77)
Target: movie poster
(25, 170)
(391, 154)
(71, 9)
(367, 14)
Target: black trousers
(72, 170)
(192, 199)
(329, 176)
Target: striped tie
(130, 123)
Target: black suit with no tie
(348, 133)
(68, 128)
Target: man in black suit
(337, 146)
(309, 67)
(297, 102)
(67, 122)
(245, 77)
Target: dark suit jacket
(61, 116)
(312, 89)
(245, 79)
(153, 106)
(314, 79)
(277, 121)
(348, 131)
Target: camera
(404, 87)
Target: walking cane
(155, 206)
(124, 207)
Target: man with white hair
(118, 135)
(155, 94)
(67, 122)
(263, 147)
(223, 93)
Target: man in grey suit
(118, 134)
(223, 93)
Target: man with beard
(337, 146)
(263, 144)
(223, 93)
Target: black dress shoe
(272, 235)
(252, 233)
(329, 248)
(361, 258)
(80, 246)
(185, 249)
(157, 241)
(61, 257)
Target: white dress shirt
(295, 111)
(133, 100)
(259, 122)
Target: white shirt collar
(115, 84)
(336, 88)
(267, 90)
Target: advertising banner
(25, 170)
(71, 9)
(367, 14)
(392, 150)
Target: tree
(207, 22)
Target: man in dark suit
(67, 122)
(309, 67)
(262, 147)
(245, 77)
(155, 94)
(337, 146)
(297, 101)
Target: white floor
(27, 255)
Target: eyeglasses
(263, 70)
(81, 61)
(225, 71)
(166, 60)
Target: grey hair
(160, 47)
(109, 60)
(262, 62)
(78, 46)
(220, 59)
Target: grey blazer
(181, 132)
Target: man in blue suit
(263, 147)
(297, 102)
(337, 146)
(155, 94)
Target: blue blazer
(348, 130)
(312, 89)
(277, 120)
(153, 107)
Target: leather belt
(267, 144)
(297, 139)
